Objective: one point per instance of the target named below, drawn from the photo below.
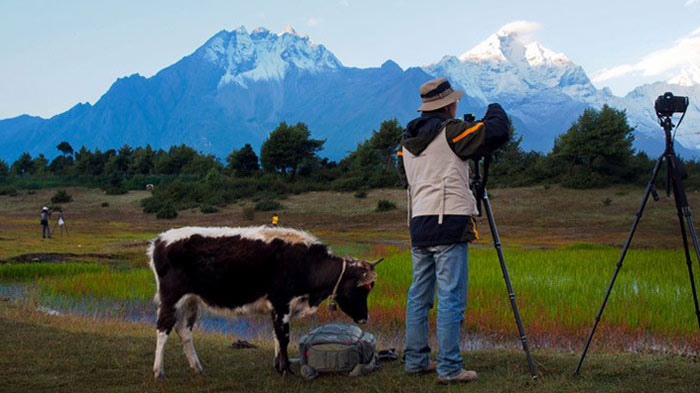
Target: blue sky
(56, 54)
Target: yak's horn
(375, 263)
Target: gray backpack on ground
(337, 348)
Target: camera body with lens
(668, 104)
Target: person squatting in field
(433, 162)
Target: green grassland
(561, 247)
(77, 354)
(558, 290)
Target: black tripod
(479, 185)
(675, 173)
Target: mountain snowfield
(238, 86)
(263, 55)
(533, 81)
(688, 76)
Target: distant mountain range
(239, 86)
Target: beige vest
(438, 182)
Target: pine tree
(65, 148)
(243, 162)
(24, 165)
(4, 170)
(286, 147)
(595, 151)
(387, 141)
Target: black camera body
(668, 104)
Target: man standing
(433, 159)
(45, 229)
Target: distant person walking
(45, 229)
(61, 223)
(275, 220)
(433, 158)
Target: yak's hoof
(159, 375)
(284, 370)
(287, 372)
(199, 371)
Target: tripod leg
(683, 210)
(638, 217)
(685, 213)
(509, 286)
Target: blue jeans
(446, 265)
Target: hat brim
(442, 102)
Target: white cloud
(691, 2)
(313, 21)
(524, 29)
(684, 52)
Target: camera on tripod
(665, 105)
(668, 104)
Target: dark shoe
(432, 367)
(463, 376)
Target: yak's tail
(150, 251)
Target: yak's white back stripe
(266, 234)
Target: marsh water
(260, 328)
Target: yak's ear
(367, 278)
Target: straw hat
(437, 93)
(45, 208)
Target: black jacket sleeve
(400, 169)
(470, 140)
(497, 127)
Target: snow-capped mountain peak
(689, 76)
(489, 49)
(513, 64)
(537, 55)
(509, 47)
(260, 30)
(262, 55)
(288, 30)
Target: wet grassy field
(561, 249)
(43, 353)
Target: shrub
(61, 196)
(361, 194)
(9, 191)
(267, 205)
(116, 190)
(607, 202)
(166, 212)
(151, 204)
(248, 213)
(208, 209)
(582, 178)
(347, 183)
(105, 204)
(31, 192)
(384, 205)
(115, 184)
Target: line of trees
(596, 151)
(125, 161)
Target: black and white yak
(282, 272)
